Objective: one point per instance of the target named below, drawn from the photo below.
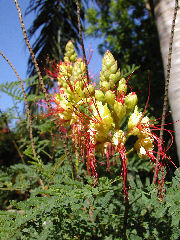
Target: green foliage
(13, 89)
(72, 209)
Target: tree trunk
(164, 11)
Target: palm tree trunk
(163, 10)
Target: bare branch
(81, 38)
(32, 54)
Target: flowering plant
(100, 120)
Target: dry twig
(81, 38)
(32, 53)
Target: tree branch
(32, 54)
(81, 38)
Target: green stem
(131, 150)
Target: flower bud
(113, 69)
(91, 88)
(78, 69)
(101, 136)
(99, 95)
(105, 85)
(112, 84)
(110, 97)
(102, 113)
(108, 60)
(131, 101)
(120, 110)
(102, 78)
(109, 73)
(106, 74)
(118, 74)
(134, 120)
(73, 57)
(88, 90)
(70, 53)
(122, 87)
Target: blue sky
(12, 44)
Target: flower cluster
(93, 118)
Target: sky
(12, 44)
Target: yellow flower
(143, 146)
(120, 110)
(65, 72)
(131, 101)
(101, 122)
(134, 121)
(119, 138)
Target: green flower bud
(106, 74)
(99, 95)
(109, 69)
(70, 53)
(131, 101)
(102, 78)
(112, 77)
(112, 84)
(91, 88)
(78, 69)
(73, 57)
(113, 69)
(120, 110)
(110, 97)
(78, 87)
(122, 87)
(108, 60)
(66, 59)
(105, 85)
(118, 75)
(65, 72)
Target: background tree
(56, 23)
(164, 10)
(130, 33)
